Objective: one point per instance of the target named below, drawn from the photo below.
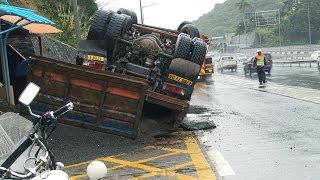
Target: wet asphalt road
(305, 75)
(259, 135)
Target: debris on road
(190, 124)
(199, 118)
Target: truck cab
(207, 68)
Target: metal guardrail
(295, 62)
(301, 52)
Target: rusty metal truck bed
(104, 101)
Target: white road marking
(221, 165)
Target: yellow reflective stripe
(180, 79)
(260, 61)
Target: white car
(227, 62)
(315, 56)
(241, 57)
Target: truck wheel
(190, 29)
(127, 23)
(184, 68)
(199, 50)
(134, 17)
(113, 32)
(183, 46)
(130, 13)
(99, 24)
(184, 23)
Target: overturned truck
(122, 66)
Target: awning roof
(27, 14)
(19, 18)
(33, 28)
(38, 24)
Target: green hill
(225, 17)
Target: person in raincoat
(259, 62)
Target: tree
(243, 5)
(297, 14)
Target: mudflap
(104, 101)
(178, 107)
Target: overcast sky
(165, 13)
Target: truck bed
(104, 101)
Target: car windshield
(13, 128)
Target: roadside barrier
(290, 63)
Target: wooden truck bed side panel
(104, 101)
(179, 108)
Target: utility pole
(141, 12)
(245, 26)
(309, 23)
(76, 20)
(279, 31)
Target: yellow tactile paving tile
(194, 154)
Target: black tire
(134, 17)
(130, 13)
(184, 68)
(99, 25)
(127, 23)
(114, 31)
(250, 73)
(199, 50)
(190, 29)
(184, 23)
(124, 11)
(183, 46)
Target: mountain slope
(225, 17)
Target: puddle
(197, 110)
(203, 111)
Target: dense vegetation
(238, 16)
(61, 12)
